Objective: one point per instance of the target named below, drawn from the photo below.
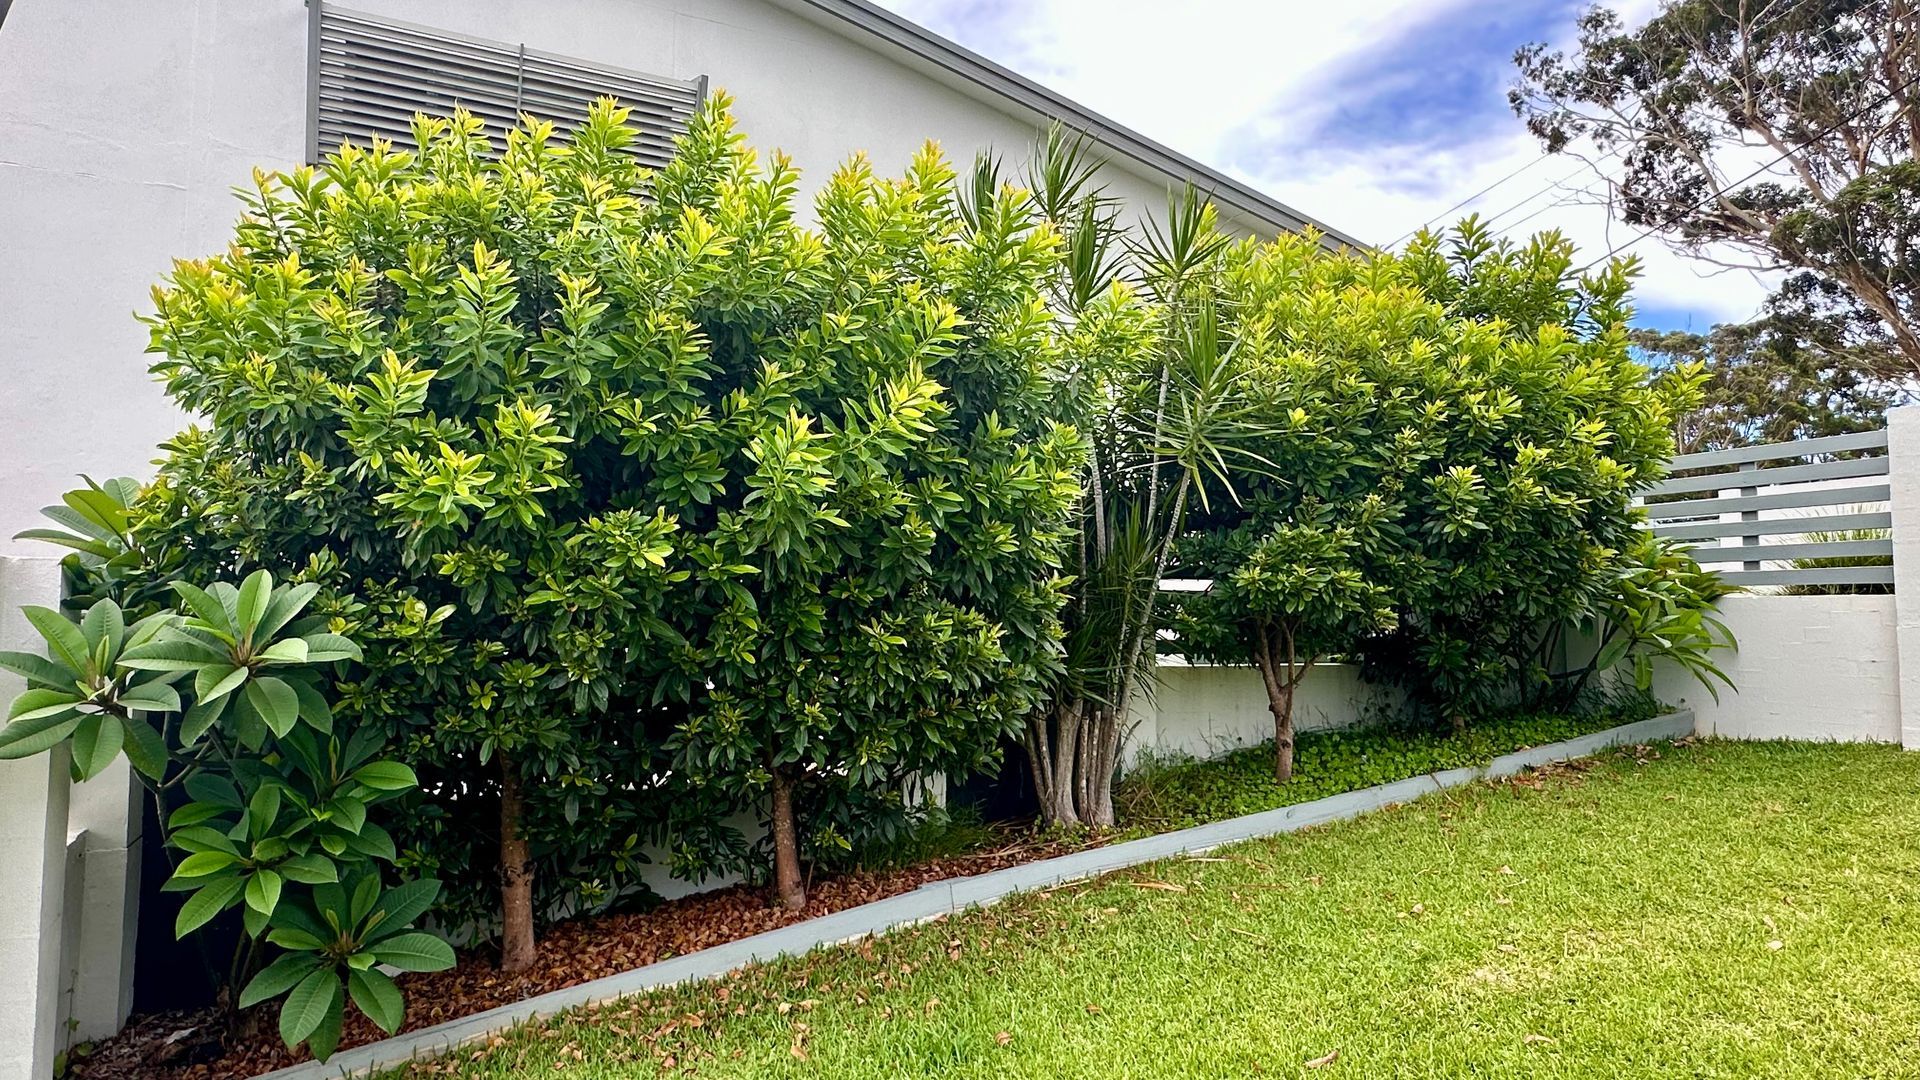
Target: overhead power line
(1776, 160)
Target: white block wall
(1824, 668)
(1203, 711)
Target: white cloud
(1206, 75)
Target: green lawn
(1727, 910)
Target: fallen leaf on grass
(1164, 886)
(1002, 1038)
(1094, 1010)
(1776, 945)
(1321, 1062)
(1534, 1040)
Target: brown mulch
(187, 1046)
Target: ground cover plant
(1715, 910)
(1160, 795)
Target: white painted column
(33, 855)
(106, 817)
(1903, 479)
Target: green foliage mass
(216, 702)
(636, 490)
(1452, 439)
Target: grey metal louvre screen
(369, 76)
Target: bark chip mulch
(193, 1046)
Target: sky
(1374, 116)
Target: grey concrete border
(960, 894)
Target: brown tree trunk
(516, 876)
(1275, 658)
(787, 882)
(1283, 736)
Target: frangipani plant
(221, 701)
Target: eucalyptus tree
(1785, 133)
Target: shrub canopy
(637, 491)
(1452, 441)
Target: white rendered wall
(125, 123)
(1823, 668)
(1203, 711)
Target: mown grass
(1173, 795)
(1725, 910)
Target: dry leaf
(1532, 1040)
(1094, 1010)
(1776, 945)
(1321, 1062)
(1163, 886)
(1002, 1038)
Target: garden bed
(1720, 910)
(165, 1047)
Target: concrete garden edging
(957, 895)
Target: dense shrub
(647, 502)
(1451, 442)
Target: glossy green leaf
(376, 996)
(415, 951)
(64, 640)
(25, 738)
(277, 978)
(96, 742)
(307, 1005)
(205, 903)
(263, 891)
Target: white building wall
(125, 123)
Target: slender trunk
(1062, 806)
(787, 882)
(1097, 809)
(1281, 672)
(1283, 736)
(516, 876)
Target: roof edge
(958, 60)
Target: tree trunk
(1054, 747)
(1274, 656)
(1096, 780)
(516, 876)
(1282, 735)
(787, 882)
